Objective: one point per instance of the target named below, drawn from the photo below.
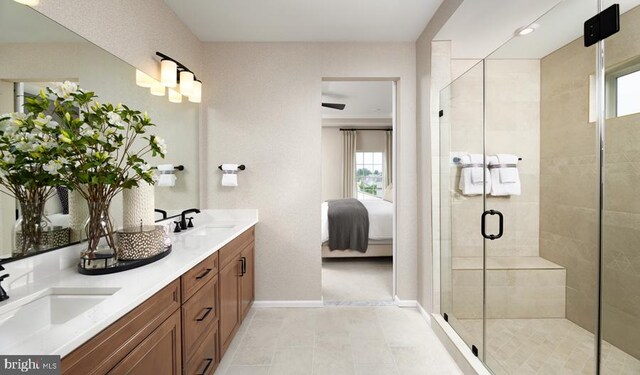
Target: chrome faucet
(183, 218)
(3, 293)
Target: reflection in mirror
(48, 53)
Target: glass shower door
(540, 274)
(461, 203)
(620, 271)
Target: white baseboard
(405, 302)
(424, 313)
(308, 303)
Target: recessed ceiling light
(525, 30)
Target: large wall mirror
(35, 52)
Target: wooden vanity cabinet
(158, 354)
(236, 285)
(185, 328)
(126, 336)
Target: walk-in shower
(547, 280)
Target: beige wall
(569, 196)
(263, 110)
(131, 30)
(331, 163)
(426, 105)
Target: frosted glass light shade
(186, 82)
(157, 88)
(196, 93)
(31, 3)
(143, 79)
(175, 96)
(169, 73)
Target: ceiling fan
(337, 106)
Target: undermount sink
(211, 229)
(48, 308)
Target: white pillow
(388, 193)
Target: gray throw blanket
(348, 225)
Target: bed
(380, 214)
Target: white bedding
(380, 219)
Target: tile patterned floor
(546, 346)
(357, 279)
(334, 341)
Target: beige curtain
(349, 164)
(388, 159)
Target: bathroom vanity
(175, 316)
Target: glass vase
(27, 231)
(100, 231)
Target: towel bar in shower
(494, 166)
(457, 159)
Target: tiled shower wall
(568, 189)
(512, 102)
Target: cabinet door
(159, 354)
(230, 314)
(247, 279)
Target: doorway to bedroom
(358, 210)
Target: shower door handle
(483, 225)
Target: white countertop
(57, 269)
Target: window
(628, 94)
(623, 89)
(369, 175)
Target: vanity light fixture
(157, 88)
(143, 79)
(196, 93)
(168, 70)
(526, 30)
(175, 96)
(180, 80)
(186, 82)
(31, 3)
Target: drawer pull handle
(206, 367)
(207, 311)
(205, 273)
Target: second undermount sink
(210, 229)
(52, 306)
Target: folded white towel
(466, 185)
(499, 189)
(230, 175)
(166, 179)
(476, 172)
(508, 175)
(229, 180)
(230, 167)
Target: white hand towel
(165, 178)
(230, 175)
(466, 184)
(229, 167)
(498, 189)
(476, 172)
(508, 175)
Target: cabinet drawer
(199, 314)
(196, 277)
(206, 358)
(158, 354)
(230, 250)
(110, 346)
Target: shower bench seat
(517, 287)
